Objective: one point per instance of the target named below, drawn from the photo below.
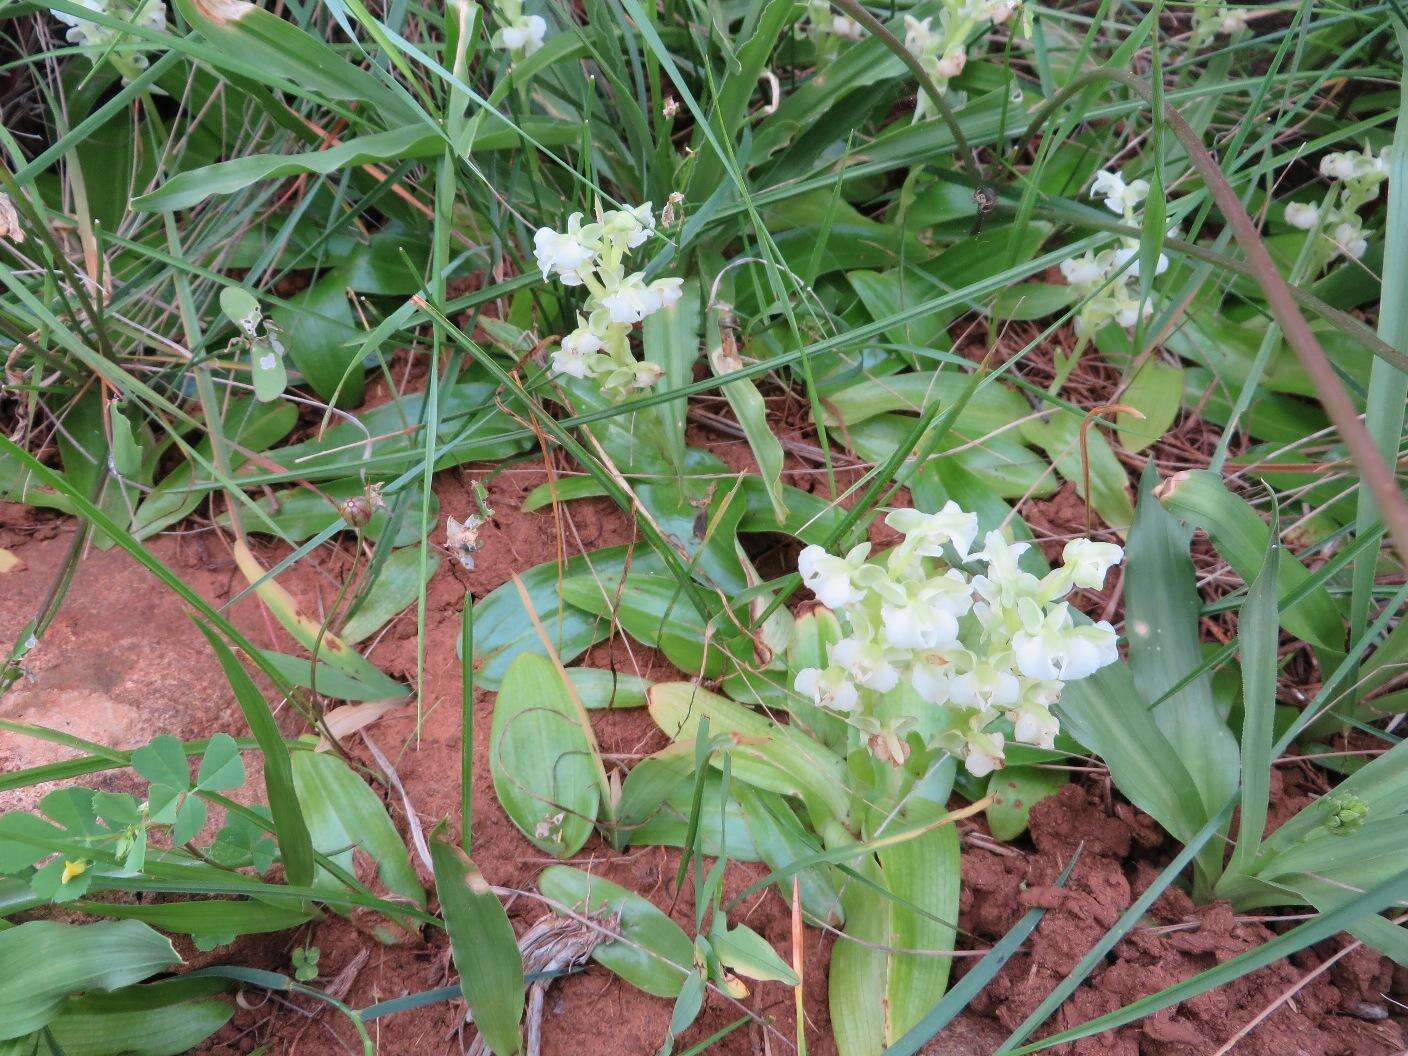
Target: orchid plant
(998, 645)
(594, 256)
(1354, 179)
(1108, 281)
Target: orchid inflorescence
(104, 39)
(1001, 644)
(594, 256)
(828, 29)
(1109, 280)
(1355, 176)
(943, 51)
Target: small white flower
(846, 28)
(668, 291)
(927, 618)
(866, 663)
(1342, 165)
(525, 34)
(636, 223)
(927, 533)
(1234, 20)
(566, 253)
(1302, 215)
(571, 358)
(982, 752)
(630, 300)
(1120, 197)
(1088, 561)
(988, 683)
(952, 63)
(831, 578)
(930, 676)
(1351, 240)
(1131, 254)
(1083, 271)
(919, 37)
(646, 374)
(1034, 724)
(827, 689)
(1000, 11)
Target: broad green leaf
(1199, 498)
(781, 841)
(669, 825)
(656, 612)
(42, 962)
(1156, 392)
(1018, 789)
(773, 757)
(343, 813)
(653, 953)
(484, 947)
(748, 953)
(603, 690)
(541, 760)
(924, 872)
(992, 407)
(328, 681)
(301, 514)
(858, 974)
(224, 917)
(396, 588)
(1163, 615)
(502, 628)
(156, 1019)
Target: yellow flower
(73, 869)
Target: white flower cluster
(943, 51)
(1000, 644)
(594, 256)
(1111, 288)
(520, 35)
(86, 33)
(1357, 173)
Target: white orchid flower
(1302, 215)
(566, 253)
(630, 300)
(831, 578)
(1120, 197)
(1034, 724)
(866, 663)
(982, 752)
(828, 689)
(1083, 271)
(1088, 561)
(524, 35)
(1350, 238)
(927, 533)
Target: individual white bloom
(926, 533)
(523, 35)
(1130, 310)
(846, 28)
(566, 253)
(952, 63)
(1302, 215)
(1351, 240)
(927, 617)
(646, 374)
(1083, 271)
(631, 300)
(987, 683)
(1032, 723)
(1341, 165)
(1120, 197)
(919, 36)
(930, 676)
(1088, 561)
(828, 689)
(866, 663)
(572, 357)
(668, 291)
(1131, 254)
(1233, 21)
(636, 223)
(982, 752)
(829, 577)
(1049, 647)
